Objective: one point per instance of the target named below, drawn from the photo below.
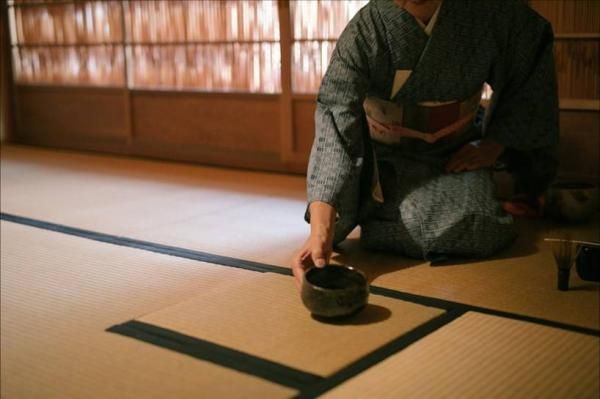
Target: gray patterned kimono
(425, 210)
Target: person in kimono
(402, 149)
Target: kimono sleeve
(524, 108)
(337, 155)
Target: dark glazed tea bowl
(572, 201)
(334, 291)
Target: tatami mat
(258, 217)
(58, 295)
(479, 356)
(521, 280)
(262, 318)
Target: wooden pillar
(6, 94)
(285, 40)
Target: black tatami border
(266, 268)
(146, 245)
(379, 354)
(309, 385)
(215, 353)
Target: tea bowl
(334, 291)
(572, 201)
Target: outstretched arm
(337, 155)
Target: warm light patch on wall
(316, 25)
(206, 45)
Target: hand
(475, 155)
(316, 251)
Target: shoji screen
(316, 25)
(215, 45)
(205, 45)
(67, 42)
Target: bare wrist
(322, 220)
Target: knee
(475, 236)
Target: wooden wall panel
(576, 25)
(303, 125)
(231, 122)
(82, 114)
(579, 151)
(570, 16)
(577, 66)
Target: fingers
(466, 158)
(459, 161)
(298, 267)
(475, 155)
(314, 253)
(464, 165)
(298, 276)
(319, 258)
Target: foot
(524, 206)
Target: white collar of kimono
(402, 75)
(430, 25)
